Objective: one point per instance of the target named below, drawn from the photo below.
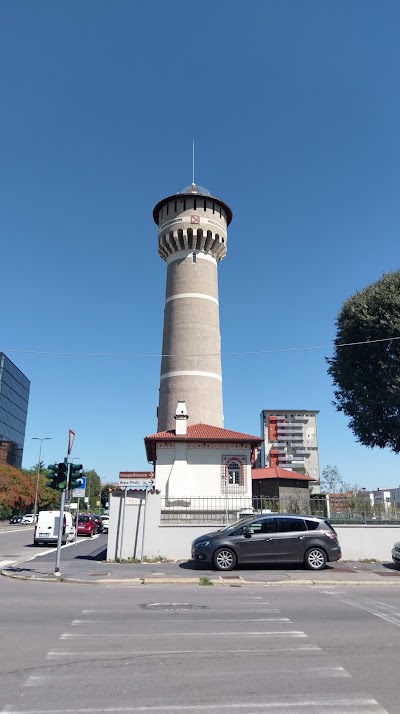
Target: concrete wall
(359, 542)
(174, 542)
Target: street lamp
(36, 438)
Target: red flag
(70, 440)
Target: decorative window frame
(233, 488)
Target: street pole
(121, 543)
(76, 521)
(144, 525)
(60, 531)
(36, 438)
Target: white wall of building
(195, 469)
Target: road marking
(186, 620)
(334, 705)
(382, 615)
(4, 563)
(143, 653)
(288, 633)
(67, 545)
(35, 680)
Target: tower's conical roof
(193, 188)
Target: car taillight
(331, 535)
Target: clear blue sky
(295, 109)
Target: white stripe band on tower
(192, 295)
(182, 254)
(194, 373)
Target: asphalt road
(17, 546)
(77, 649)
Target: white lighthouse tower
(192, 239)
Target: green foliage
(366, 377)
(300, 470)
(5, 513)
(205, 581)
(93, 487)
(48, 498)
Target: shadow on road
(100, 554)
(194, 565)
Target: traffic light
(75, 476)
(58, 477)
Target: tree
(332, 482)
(366, 377)
(93, 487)
(39, 465)
(48, 498)
(17, 489)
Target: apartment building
(290, 441)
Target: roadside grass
(205, 581)
(137, 561)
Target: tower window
(184, 204)
(194, 256)
(205, 205)
(194, 204)
(175, 206)
(220, 211)
(167, 208)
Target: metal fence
(228, 509)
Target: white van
(46, 528)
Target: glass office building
(14, 398)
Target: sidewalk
(102, 572)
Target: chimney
(181, 418)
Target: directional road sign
(137, 483)
(79, 492)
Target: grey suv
(276, 538)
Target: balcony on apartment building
(291, 461)
(289, 426)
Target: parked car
(86, 525)
(276, 538)
(47, 525)
(98, 522)
(29, 518)
(105, 523)
(15, 519)
(396, 553)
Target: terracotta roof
(199, 432)
(276, 472)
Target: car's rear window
(83, 519)
(312, 525)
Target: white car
(28, 519)
(105, 521)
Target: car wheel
(315, 559)
(224, 559)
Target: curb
(196, 581)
